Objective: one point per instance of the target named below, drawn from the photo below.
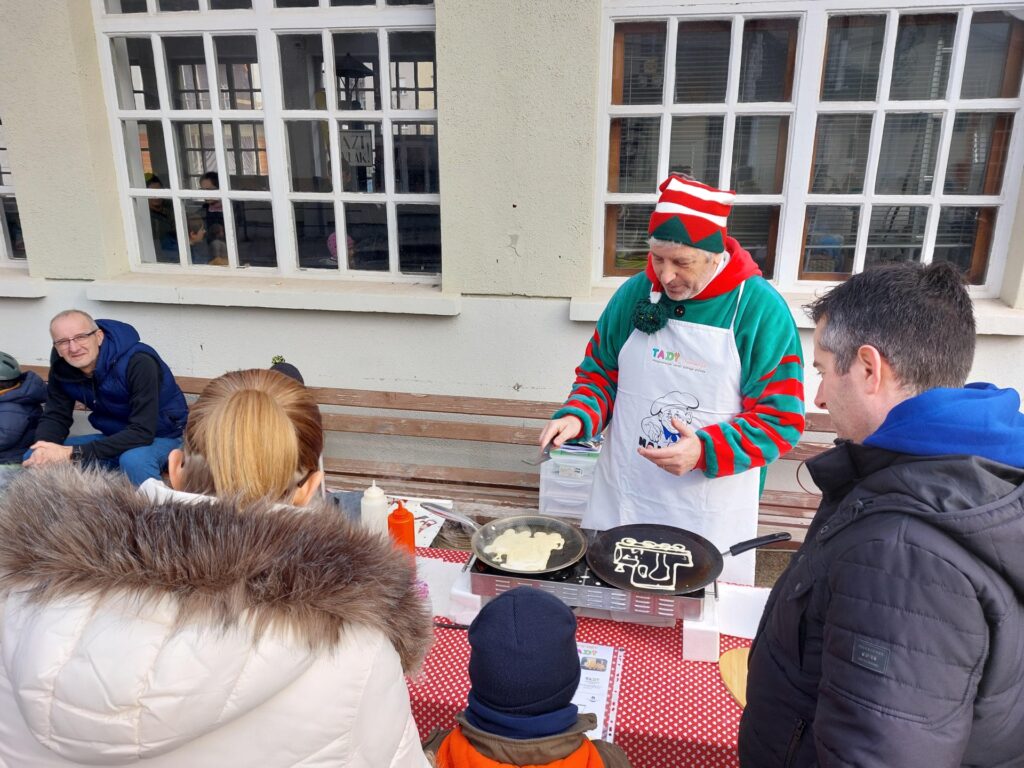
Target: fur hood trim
(309, 573)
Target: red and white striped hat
(689, 213)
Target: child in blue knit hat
(524, 669)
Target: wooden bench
(475, 424)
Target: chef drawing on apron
(698, 383)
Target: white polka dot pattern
(671, 714)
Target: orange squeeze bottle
(402, 527)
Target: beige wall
(518, 81)
(55, 118)
(1013, 278)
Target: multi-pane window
(276, 138)
(852, 138)
(12, 242)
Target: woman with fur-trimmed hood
(211, 625)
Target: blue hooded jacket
(978, 420)
(20, 409)
(106, 393)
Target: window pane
(924, 46)
(415, 157)
(309, 155)
(977, 153)
(964, 238)
(759, 154)
(830, 239)
(297, 3)
(906, 164)
(238, 71)
(245, 151)
(196, 152)
(315, 236)
(5, 168)
(756, 227)
(695, 147)
(769, 59)
(230, 5)
(852, 58)
(362, 156)
(204, 224)
(412, 70)
(158, 236)
(125, 6)
(995, 53)
(302, 71)
(254, 233)
(633, 154)
(638, 63)
(186, 70)
(410, 2)
(367, 238)
(419, 238)
(356, 64)
(13, 220)
(702, 61)
(178, 5)
(146, 152)
(353, 2)
(840, 154)
(134, 73)
(895, 233)
(625, 237)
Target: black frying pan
(662, 559)
(557, 544)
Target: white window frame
(7, 259)
(265, 22)
(803, 111)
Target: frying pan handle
(760, 541)
(448, 514)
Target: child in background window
(22, 395)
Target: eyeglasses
(79, 339)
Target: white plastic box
(565, 482)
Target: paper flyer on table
(428, 525)
(598, 692)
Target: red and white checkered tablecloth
(671, 714)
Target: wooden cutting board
(733, 667)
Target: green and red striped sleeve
(593, 393)
(772, 416)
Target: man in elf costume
(698, 325)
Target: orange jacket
(457, 752)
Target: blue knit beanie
(524, 660)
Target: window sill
(277, 293)
(15, 283)
(993, 317)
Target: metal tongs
(449, 514)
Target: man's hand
(47, 453)
(680, 457)
(559, 430)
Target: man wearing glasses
(130, 392)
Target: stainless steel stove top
(577, 586)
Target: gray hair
(920, 319)
(72, 313)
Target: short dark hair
(919, 318)
(211, 176)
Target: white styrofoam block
(740, 609)
(701, 638)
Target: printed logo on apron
(691, 372)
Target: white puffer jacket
(184, 633)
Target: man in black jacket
(135, 404)
(896, 636)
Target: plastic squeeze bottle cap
(402, 527)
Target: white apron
(693, 372)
